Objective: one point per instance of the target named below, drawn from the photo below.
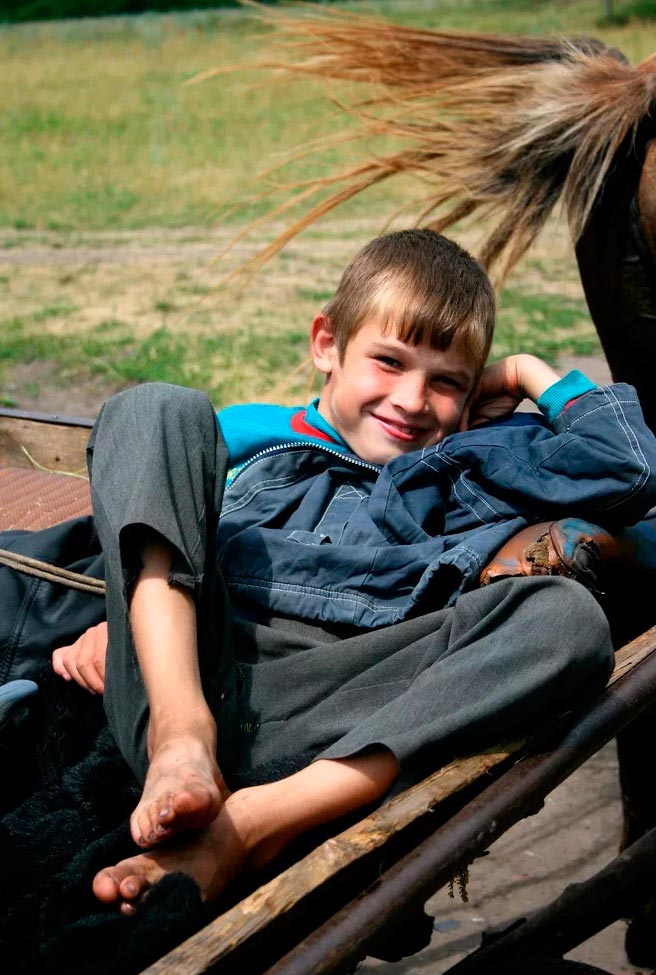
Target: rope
(51, 573)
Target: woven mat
(37, 499)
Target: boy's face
(387, 398)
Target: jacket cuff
(559, 394)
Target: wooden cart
(348, 896)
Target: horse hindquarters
(617, 261)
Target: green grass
(100, 136)
(545, 325)
(267, 353)
(640, 10)
(53, 311)
(222, 365)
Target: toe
(143, 824)
(165, 810)
(106, 886)
(135, 826)
(133, 886)
(194, 808)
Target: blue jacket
(309, 530)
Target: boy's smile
(386, 397)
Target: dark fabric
(432, 687)
(37, 616)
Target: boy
(336, 641)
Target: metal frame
(516, 794)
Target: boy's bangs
(433, 322)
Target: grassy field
(117, 185)
(98, 129)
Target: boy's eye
(446, 381)
(389, 361)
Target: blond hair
(422, 286)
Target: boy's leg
(494, 665)
(503, 659)
(157, 465)
(138, 517)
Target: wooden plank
(628, 656)
(56, 444)
(269, 903)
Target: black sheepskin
(63, 816)
(67, 799)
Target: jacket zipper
(355, 461)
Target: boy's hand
(84, 660)
(504, 384)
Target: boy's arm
(595, 456)
(504, 384)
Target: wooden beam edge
(269, 902)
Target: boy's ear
(322, 344)
(463, 423)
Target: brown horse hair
(498, 127)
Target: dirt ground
(574, 835)
(95, 287)
(578, 830)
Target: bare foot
(183, 790)
(204, 856)
(212, 857)
(252, 826)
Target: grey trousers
(283, 692)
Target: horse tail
(495, 127)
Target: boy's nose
(410, 393)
